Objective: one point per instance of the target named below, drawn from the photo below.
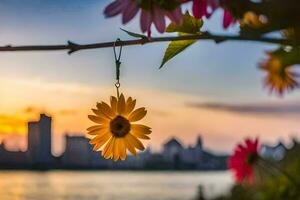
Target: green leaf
(288, 56)
(136, 35)
(174, 48)
(189, 25)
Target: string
(118, 65)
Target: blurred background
(199, 106)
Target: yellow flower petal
(92, 128)
(130, 104)
(135, 142)
(137, 115)
(113, 104)
(116, 149)
(98, 120)
(122, 149)
(100, 114)
(141, 128)
(129, 146)
(121, 105)
(99, 144)
(100, 138)
(140, 135)
(129, 99)
(107, 151)
(97, 147)
(280, 78)
(100, 131)
(106, 110)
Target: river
(110, 185)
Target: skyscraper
(39, 141)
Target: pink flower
(128, 9)
(204, 8)
(157, 16)
(153, 13)
(243, 160)
(228, 19)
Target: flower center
(119, 126)
(252, 158)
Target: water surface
(110, 185)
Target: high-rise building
(39, 141)
(77, 152)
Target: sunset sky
(211, 89)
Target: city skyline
(79, 154)
(197, 92)
(16, 144)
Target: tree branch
(73, 47)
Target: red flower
(204, 8)
(243, 160)
(228, 19)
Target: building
(12, 159)
(80, 155)
(172, 150)
(132, 162)
(192, 154)
(192, 157)
(276, 152)
(77, 154)
(175, 153)
(39, 142)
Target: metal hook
(117, 58)
(118, 65)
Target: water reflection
(108, 185)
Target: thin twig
(73, 47)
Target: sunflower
(279, 78)
(116, 131)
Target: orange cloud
(66, 112)
(12, 124)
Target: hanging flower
(279, 77)
(116, 131)
(152, 12)
(204, 8)
(243, 160)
